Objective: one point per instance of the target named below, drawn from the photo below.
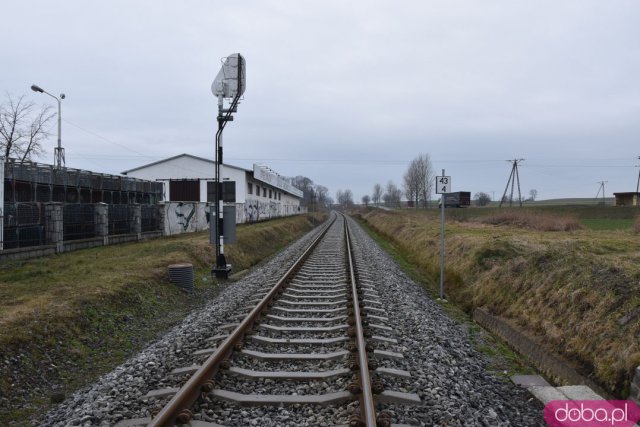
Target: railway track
(317, 343)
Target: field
(567, 275)
(590, 216)
(66, 319)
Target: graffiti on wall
(184, 213)
(185, 217)
(256, 210)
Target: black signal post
(221, 269)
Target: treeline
(314, 196)
(417, 186)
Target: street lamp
(58, 152)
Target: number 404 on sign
(443, 184)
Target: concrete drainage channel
(635, 386)
(550, 364)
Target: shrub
(533, 220)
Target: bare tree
(410, 185)
(365, 200)
(418, 180)
(305, 185)
(322, 196)
(482, 199)
(533, 193)
(424, 178)
(392, 195)
(413, 181)
(23, 127)
(344, 198)
(347, 199)
(377, 194)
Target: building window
(187, 190)
(250, 187)
(279, 196)
(270, 194)
(257, 190)
(264, 191)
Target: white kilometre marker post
(443, 186)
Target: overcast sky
(344, 92)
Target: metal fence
(27, 187)
(119, 219)
(150, 218)
(78, 221)
(23, 225)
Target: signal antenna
(601, 188)
(513, 177)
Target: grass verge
(575, 291)
(69, 318)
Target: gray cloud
(369, 84)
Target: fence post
(135, 215)
(162, 209)
(102, 222)
(54, 224)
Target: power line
(105, 139)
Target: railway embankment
(66, 319)
(575, 291)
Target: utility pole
(513, 178)
(638, 184)
(601, 188)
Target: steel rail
(193, 388)
(367, 405)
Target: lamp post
(58, 152)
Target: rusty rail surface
(178, 408)
(367, 406)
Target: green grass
(583, 201)
(607, 223)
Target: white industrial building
(189, 180)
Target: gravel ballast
(447, 373)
